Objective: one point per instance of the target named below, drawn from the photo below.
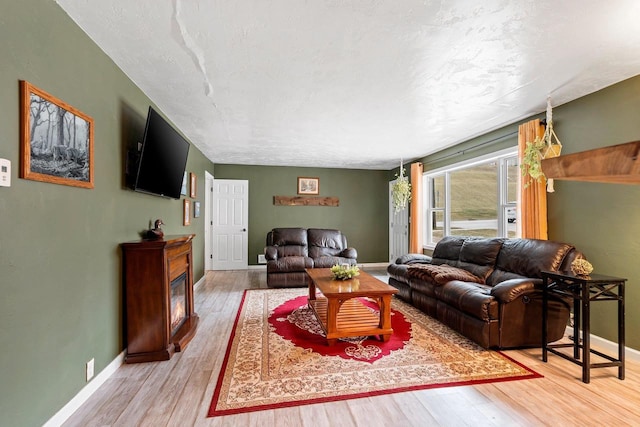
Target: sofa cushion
(289, 264)
(478, 256)
(325, 242)
(398, 272)
(289, 236)
(448, 249)
(471, 298)
(528, 257)
(413, 258)
(290, 241)
(440, 274)
(330, 261)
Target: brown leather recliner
(290, 250)
(498, 302)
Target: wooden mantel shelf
(616, 164)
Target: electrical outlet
(5, 173)
(261, 259)
(90, 364)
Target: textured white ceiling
(358, 83)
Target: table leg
(621, 340)
(385, 312)
(312, 290)
(545, 298)
(333, 306)
(586, 341)
(577, 308)
(384, 303)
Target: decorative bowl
(344, 271)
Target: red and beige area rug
(278, 357)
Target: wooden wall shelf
(305, 201)
(616, 164)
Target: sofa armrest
(271, 253)
(413, 258)
(349, 253)
(512, 289)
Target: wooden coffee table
(339, 311)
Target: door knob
(244, 229)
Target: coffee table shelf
(339, 311)
(353, 319)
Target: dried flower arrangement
(581, 267)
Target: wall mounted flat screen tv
(162, 159)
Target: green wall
(60, 265)
(362, 215)
(601, 220)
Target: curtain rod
(475, 147)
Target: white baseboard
(83, 395)
(375, 265)
(609, 347)
(199, 282)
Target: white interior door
(230, 224)
(208, 223)
(398, 230)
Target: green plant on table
(345, 271)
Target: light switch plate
(5, 173)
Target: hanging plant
(541, 148)
(531, 160)
(401, 191)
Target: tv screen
(163, 158)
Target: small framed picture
(194, 182)
(308, 185)
(196, 209)
(186, 212)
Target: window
(473, 198)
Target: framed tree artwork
(56, 140)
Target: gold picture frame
(56, 140)
(194, 182)
(186, 212)
(308, 185)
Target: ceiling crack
(197, 56)
(192, 48)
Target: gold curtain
(533, 197)
(415, 236)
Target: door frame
(208, 221)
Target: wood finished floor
(178, 392)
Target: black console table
(583, 290)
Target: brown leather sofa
(487, 289)
(290, 250)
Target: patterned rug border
(221, 375)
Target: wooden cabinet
(159, 312)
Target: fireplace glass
(178, 301)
